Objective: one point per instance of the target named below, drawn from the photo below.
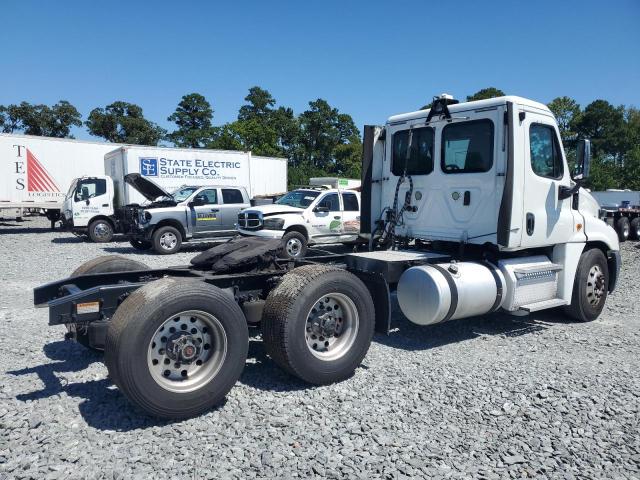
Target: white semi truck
(35, 172)
(470, 208)
(93, 203)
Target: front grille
(250, 220)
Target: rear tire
(623, 228)
(294, 245)
(139, 366)
(100, 231)
(634, 232)
(105, 264)
(314, 346)
(141, 245)
(590, 287)
(166, 240)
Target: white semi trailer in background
(470, 208)
(35, 172)
(92, 203)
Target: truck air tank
(430, 294)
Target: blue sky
(369, 59)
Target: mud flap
(381, 295)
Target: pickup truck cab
(306, 216)
(190, 213)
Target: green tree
(485, 93)
(604, 124)
(322, 129)
(259, 104)
(566, 111)
(42, 120)
(124, 122)
(193, 118)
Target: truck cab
(88, 208)
(190, 213)
(306, 216)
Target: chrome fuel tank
(430, 294)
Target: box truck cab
(307, 216)
(88, 208)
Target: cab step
(544, 305)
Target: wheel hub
(332, 325)
(183, 347)
(595, 285)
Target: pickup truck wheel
(623, 228)
(175, 348)
(590, 287)
(105, 264)
(100, 231)
(318, 323)
(166, 240)
(634, 232)
(294, 245)
(141, 245)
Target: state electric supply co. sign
(188, 168)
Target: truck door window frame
(203, 194)
(487, 163)
(420, 161)
(350, 200)
(322, 201)
(99, 188)
(557, 159)
(229, 193)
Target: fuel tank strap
(454, 291)
(499, 288)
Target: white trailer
(35, 172)
(170, 169)
(335, 182)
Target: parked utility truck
(470, 208)
(94, 205)
(621, 210)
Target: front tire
(100, 231)
(175, 348)
(166, 240)
(623, 228)
(590, 287)
(105, 264)
(294, 245)
(318, 323)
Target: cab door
(206, 213)
(327, 219)
(232, 202)
(92, 197)
(547, 220)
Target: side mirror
(197, 201)
(583, 159)
(321, 209)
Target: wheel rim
(595, 285)
(331, 326)
(168, 240)
(294, 247)
(101, 231)
(187, 351)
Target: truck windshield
(92, 187)
(183, 193)
(298, 198)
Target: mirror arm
(566, 192)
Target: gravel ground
(490, 397)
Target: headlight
(273, 223)
(144, 216)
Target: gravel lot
(490, 397)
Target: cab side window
(231, 195)
(546, 159)
(350, 202)
(467, 147)
(419, 160)
(330, 201)
(210, 196)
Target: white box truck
(35, 172)
(93, 204)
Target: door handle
(531, 223)
(215, 210)
(466, 199)
(337, 217)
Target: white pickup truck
(306, 216)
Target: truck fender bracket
(381, 295)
